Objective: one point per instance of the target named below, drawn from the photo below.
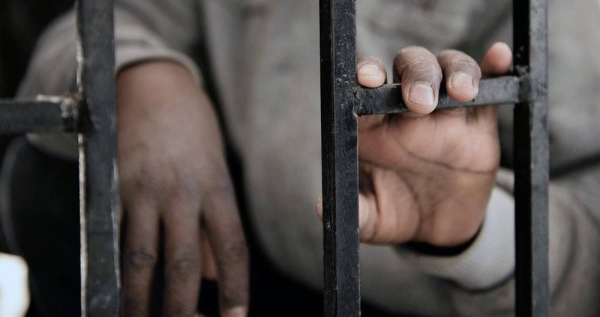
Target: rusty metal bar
(531, 159)
(343, 99)
(388, 99)
(99, 199)
(340, 158)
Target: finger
(182, 258)
(362, 215)
(367, 217)
(420, 74)
(383, 213)
(209, 267)
(140, 254)
(320, 208)
(497, 60)
(462, 75)
(370, 72)
(227, 240)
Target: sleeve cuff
(488, 261)
(134, 45)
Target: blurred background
(272, 293)
(21, 23)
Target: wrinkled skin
(427, 175)
(424, 176)
(174, 178)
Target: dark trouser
(40, 219)
(39, 215)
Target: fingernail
(368, 70)
(461, 81)
(235, 312)
(421, 94)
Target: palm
(418, 172)
(427, 175)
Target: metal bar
(99, 196)
(388, 99)
(44, 114)
(531, 159)
(340, 158)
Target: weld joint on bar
(69, 109)
(525, 89)
(74, 110)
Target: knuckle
(186, 183)
(463, 61)
(137, 183)
(184, 265)
(466, 65)
(422, 69)
(220, 186)
(184, 190)
(452, 60)
(417, 61)
(414, 50)
(451, 54)
(140, 258)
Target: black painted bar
(527, 90)
(98, 162)
(388, 99)
(44, 114)
(531, 159)
(340, 158)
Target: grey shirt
(266, 61)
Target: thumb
(320, 208)
(363, 213)
(497, 60)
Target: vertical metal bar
(531, 159)
(99, 212)
(340, 158)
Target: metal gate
(91, 114)
(342, 99)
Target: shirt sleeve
(482, 279)
(488, 261)
(144, 30)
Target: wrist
(487, 261)
(434, 250)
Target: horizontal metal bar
(44, 114)
(388, 99)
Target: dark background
(272, 293)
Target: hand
(427, 175)
(175, 186)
